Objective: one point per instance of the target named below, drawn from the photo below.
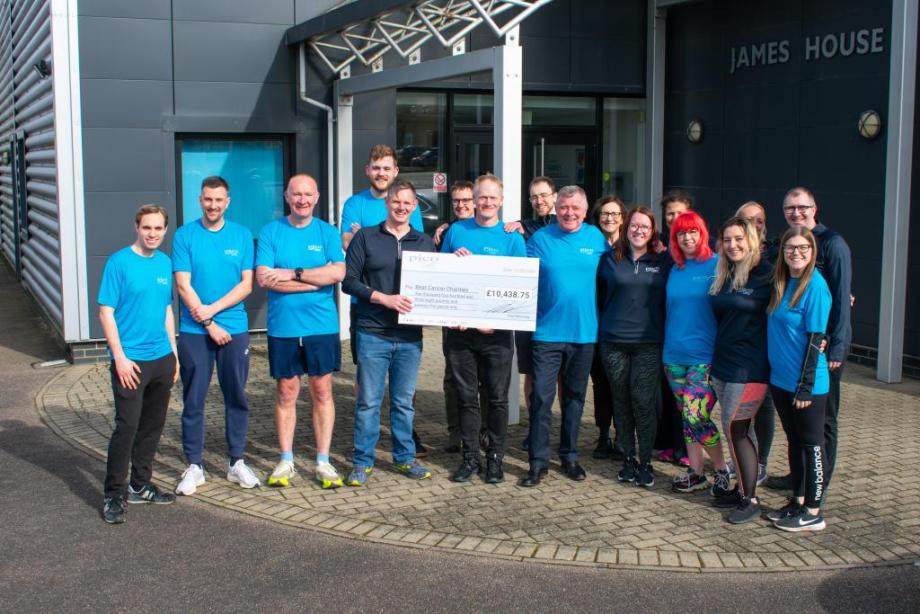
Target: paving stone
(597, 521)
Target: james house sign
(815, 47)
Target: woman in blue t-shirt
(631, 282)
(689, 337)
(740, 370)
(799, 310)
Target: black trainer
(534, 476)
(494, 473)
(732, 499)
(746, 511)
(628, 472)
(645, 475)
(113, 510)
(779, 482)
(791, 508)
(573, 470)
(150, 494)
(603, 449)
(803, 521)
(467, 469)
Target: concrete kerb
(56, 409)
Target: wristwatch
(208, 322)
(297, 273)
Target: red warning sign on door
(439, 181)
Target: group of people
(618, 302)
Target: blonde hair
(737, 272)
(754, 203)
(781, 274)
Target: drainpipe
(330, 120)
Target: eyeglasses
(640, 227)
(613, 214)
(797, 208)
(690, 232)
(544, 196)
(802, 249)
(458, 201)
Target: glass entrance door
(474, 155)
(568, 158)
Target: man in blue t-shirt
(563, 343)
(299, 260)
(486, 353)
(135, 309)
(368, 208)
(212, 261)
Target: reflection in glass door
(566, 158)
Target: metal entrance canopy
(344, 35)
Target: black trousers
(139, 418)
(831, 412)
(471, 356)
(805, 432)
(603, 398)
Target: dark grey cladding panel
(839, 101)
(615, 64)
(550, 21)
(337, 19)
(547, 60)
(110, 218)
(235, 52)
(244, 99)
(242, 11)
(608, 20)
(833, 156)
(119, 48)
(123, 159)
(704, 104)
(141, 9)
(125, 104)
(374, 111)
(693, 164)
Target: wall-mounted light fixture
(5, 157)
(695, 131)
(43, 68)
(869, 125)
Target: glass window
(253, 167)
(473, 109)
(624, 171)
(421, 119)
(558, 111)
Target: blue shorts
(314, 355)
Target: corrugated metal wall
(33, 118)
(7, 232)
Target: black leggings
(805, 432)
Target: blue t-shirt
(140, 290)
(216, 261)
(283, 246)
(362, 208)
(567, 296)
(690, 328)
(788, 330)
(483, 240)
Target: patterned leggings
(696, 398)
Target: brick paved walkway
(873, 511)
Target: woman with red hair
(690, 333)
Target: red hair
(690, 220)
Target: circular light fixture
(695, 131)
(869, 125)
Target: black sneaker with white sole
(746, 511)
(792, 508)
(150, 494)
(802, 521)
(628, 472)
(645, 476)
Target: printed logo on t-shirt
(314, 248)
(744, 291)
(492, 251)
(231, 252)
(587, 251)
(703, 277)
(653, 269)
(163, 281)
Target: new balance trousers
(139, 418)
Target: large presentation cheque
(497, 292)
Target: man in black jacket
(835, 264)
(386, 348)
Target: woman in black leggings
(800, 306)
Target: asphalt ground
(56, 554)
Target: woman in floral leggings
(690, 331)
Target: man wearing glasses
(835, 264)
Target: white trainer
(327, 476)
(191, 479)
(240, 473)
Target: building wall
(774, 125)
(154, 68)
